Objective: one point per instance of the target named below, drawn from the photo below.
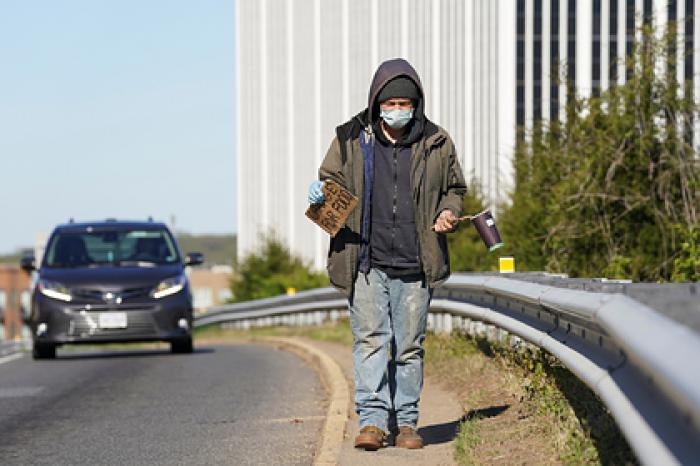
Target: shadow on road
(446, 432)
(126, 353)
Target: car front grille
(86, 324)
(92, 295)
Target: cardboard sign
(338, 204)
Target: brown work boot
(370, 438)
(408, 438)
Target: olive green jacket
(437, 183)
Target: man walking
(392, 250)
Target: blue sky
(121, 108)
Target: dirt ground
(504, 430)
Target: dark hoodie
(435, 177)
(393, 241)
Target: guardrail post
(479, 329)
(491, 333)
(501, 336)
(457, 323)
(471, 329)
(334, 315)
(447, 323)
(437, 323)
(245, 324)
(430, 323)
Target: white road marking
(20, 392)
(11, 357)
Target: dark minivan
(109, 282)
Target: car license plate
(112, 320)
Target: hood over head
(387, 71)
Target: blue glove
(316, 193)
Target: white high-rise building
(304, 67)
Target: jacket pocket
(339, 255)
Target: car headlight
(169, 286)
(54, 290)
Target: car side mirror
(194, 258)
(28, 264)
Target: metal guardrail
(643, 363)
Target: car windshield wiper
(99, 264)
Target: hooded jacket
(436, 183)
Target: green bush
(686, 265)
(271, 271)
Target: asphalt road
(240, 404)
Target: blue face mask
(397, 118)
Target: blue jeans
(388, 317)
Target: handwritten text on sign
(338, 204)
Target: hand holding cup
(446, 222)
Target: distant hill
(10, 258)
(217, 249)
(14, 257)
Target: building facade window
(612, 50)
(629, 35)
(571, 47)
(537, 63)
(689, 42)
(554, 61)
(689, 65)
(596, 48)
(672, 14)
(520, 66)
(648, 11)
(672, 10)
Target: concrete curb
(337, 415)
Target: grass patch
(533, 404)
(335, 333)
(591, 435)
(467, 441)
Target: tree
(614, 191)
(271, 271)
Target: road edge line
(10, 357)
(333, 433)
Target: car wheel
(44, 351)
(182, 346)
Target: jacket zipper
(393, 208)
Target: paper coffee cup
(486, 226)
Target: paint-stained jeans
(388, 317)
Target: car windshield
(140, 248)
